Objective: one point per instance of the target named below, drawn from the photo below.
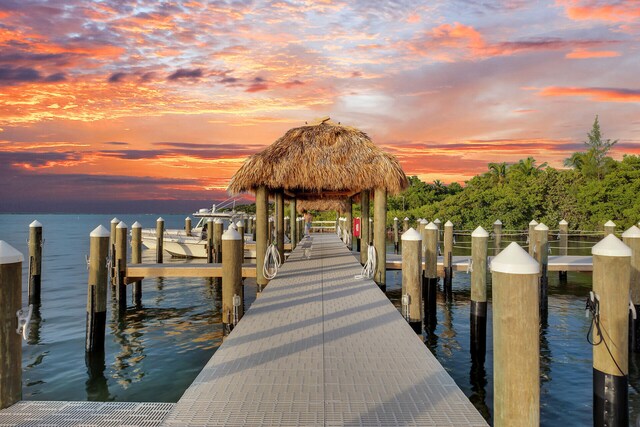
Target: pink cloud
(594, 93)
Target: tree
(594, 163)
(528, 166)
(498, 171)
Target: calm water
(153, 354)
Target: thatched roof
(324, 160)
(339, 205)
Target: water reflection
(96, 385)
(33, 338)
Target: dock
(319, 347)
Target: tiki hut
(323, 161)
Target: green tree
(594, 163)
(498, 171)
(528, 166)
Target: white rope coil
(272, 262)
(369, 268)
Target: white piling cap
(498, 222)
(610, 224)
(448, 224)
(115, 221)
(514, 260)
(232, 226)
(239, 224)
(395, 219)
(217, 221)
(35, 224)
(136, 225)
(541, 227)
(187, 218)
(479, 232)
(100, 231)
(231, 234)
(436, 221)
(9, 254)
(406, 218)
(210, 220)
(370, 219)
(633, 233)
(533, 222)
(431, 226)
(611, 246)
(286, 217)
(423, 221)
(121, 224)
(411, 235)
(563, 222)
(160, 219)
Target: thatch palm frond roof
(339, 205)
(326, 160)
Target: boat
(193, 245)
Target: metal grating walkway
(84, 414)
(320, 348)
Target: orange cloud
(586, 54)
(620, 11)
(594, 93)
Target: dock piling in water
(121, 266)
(478, 312)
(97, 289)
(541, 233)
(611, 276)
(532, 237)
(447, 258)
(218, 228)
(396, 240)
(405, 224)
(497, 233)
(631, 238)
(159, 239)
(112, 249)
(10, 341)
(609, 228)
(187, 226)
(136, 258)
(430, 278)
(35, 262)
(411, 278)
(516, 338)
(563, 238)
(210, 241)
(231, 279)
(240, 228)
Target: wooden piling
(271, 230)
(10, 341)
(541, 233)
(112, 249)
(405, 224)
(187, 226)
(159, 239)
(97, 290)
(240, 228)
(412, 278)
(231, 279)
(430, 278)
(611, 276)
(211, 248)
(294, 222)
(364, 225)
(497, 235)
(448, 256)
(516, 338)
(218, 228)
(136, 258)
(262, 230)
(280, 223)
(379, 236)
(252, 228)
(287, 226)
(121, 266)
(532, 237)
(478, 320)
(631, 238)
(35, 262)
(609, 228)
(563, 241)
(396, 240)
(349, 223)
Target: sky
(145, 105)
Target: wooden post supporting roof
(380, 221)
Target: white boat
(177, 243)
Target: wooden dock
(319, 347)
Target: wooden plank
(139, 271)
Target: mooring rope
(369, 268)
(272, 262)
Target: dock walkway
(320, 348)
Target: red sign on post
(356, 227)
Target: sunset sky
(121, 101)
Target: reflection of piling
(611, 275)
(10, 341)
(563, 241)
(497, 233)
(631, 238)
(479, 248)
(364, 226)
(430, 278)
(97, 290)
(35, 262)
(136, 258)
(532, 236)
(187, 226)
(159, 239)
(379, 237)
(516, 340)
(121, 266)
(609, 228)
(541, 232)
(231, 279)
(411, 278)
(448, 256)
(396, 243)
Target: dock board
(320, 348)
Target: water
(155, 353)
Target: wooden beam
(140, 271)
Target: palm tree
(439, 187)
(576, 161)
(499, 171)
(528, 166)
